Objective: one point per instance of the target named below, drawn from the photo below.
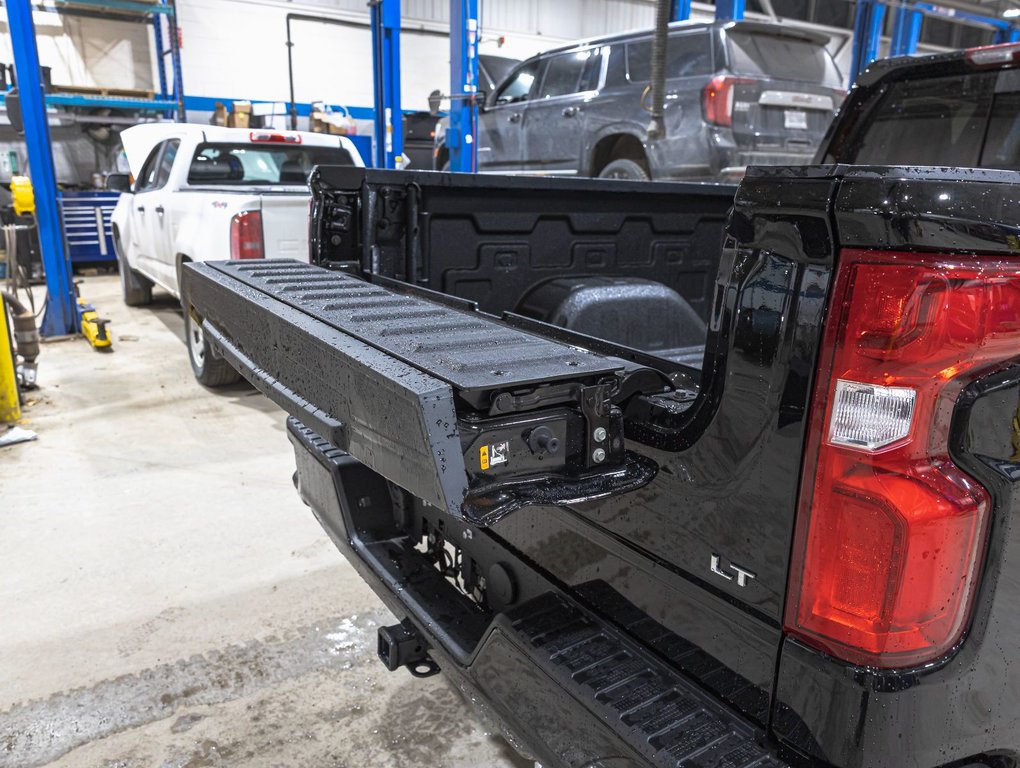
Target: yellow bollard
(10, 404)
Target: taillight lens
(993, 55)
(718, 99)
(274, 137)
(246, 236)
(890, 532)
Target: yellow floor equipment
(10, 403)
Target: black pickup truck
(658, 481)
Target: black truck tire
(624, 169)
(136, 290)
(210, 371)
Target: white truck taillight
(246, 241)
(274, 137)
(890, 531)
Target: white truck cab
(202, 192)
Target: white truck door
(156, 205)
(139, 241)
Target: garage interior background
(236, 50)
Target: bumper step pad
(667, 718)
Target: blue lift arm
(389, 128)
(464, 33)
(61, 303)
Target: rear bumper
(719, 160)
(564, 687)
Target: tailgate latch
(556, 444)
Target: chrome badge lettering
(742, 574)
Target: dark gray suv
(737, 94)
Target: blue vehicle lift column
(389, 128)
(460, 136)
(867, 36)
(906, 31)
(61, 303)
(729, 10)
(681, 10)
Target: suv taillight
(890, 532)
(717, 98)
(246, 236)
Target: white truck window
(253, 164)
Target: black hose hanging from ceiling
(657, 127)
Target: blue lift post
(868, 21)
(906, 31)
(464, 34)
(389, 128)
(681, 10)
(61, 316)
(729, 10)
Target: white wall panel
(86, 51)
(236, 49)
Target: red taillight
(246, 236)
(718, 99)
(890, 532)
(274, 138)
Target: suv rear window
(686, 55)
(787, 58)
(279, 164)
(969, 121)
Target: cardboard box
(240, 115)
(333, 123)
(219, 115)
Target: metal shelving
(169, 99)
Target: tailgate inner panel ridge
(468, 350)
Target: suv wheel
(624, 169)
(211, 371)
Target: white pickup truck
(202, 192)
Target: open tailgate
(457, 407)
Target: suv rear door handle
(570, 111)
(515, 117)
(159, 210)
(140, 209)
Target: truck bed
(622, 597)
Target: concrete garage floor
(167, 600)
